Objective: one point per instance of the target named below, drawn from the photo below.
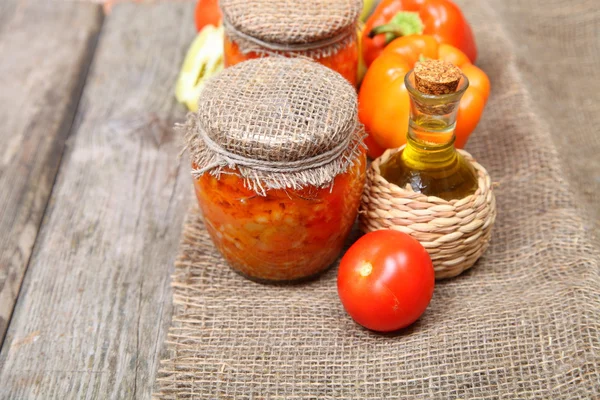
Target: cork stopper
(436, 77)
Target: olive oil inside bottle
(431, 169)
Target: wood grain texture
(95, 304)
(45, 51)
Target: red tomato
(386, 280)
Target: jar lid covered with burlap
(324, 30)
(289, 22)
(276, 122)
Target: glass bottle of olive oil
(429, 163)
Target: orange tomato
(477, 79)
(384, 103)
(412, 48)
(384, 82)
(469, 112)
(374, 150)
(453, 55)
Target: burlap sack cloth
(522, 324)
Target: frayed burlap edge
(262, 176)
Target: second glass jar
(324, 30)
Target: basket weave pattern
(455, 233)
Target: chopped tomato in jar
(285, 235)
(344, 60)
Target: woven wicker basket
(455, 233)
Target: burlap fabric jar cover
(317, 29)
(287, 130)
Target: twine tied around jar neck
(232, 160)
(277, 123)
(320, 48)
(260, 175)
(312, 28)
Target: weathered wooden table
(92, 194)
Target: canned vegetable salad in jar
(324, 30)
(278, 164)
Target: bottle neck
(422, 155)
(430, 138)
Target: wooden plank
(45, 51)
(95, 305)
(7, 12)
